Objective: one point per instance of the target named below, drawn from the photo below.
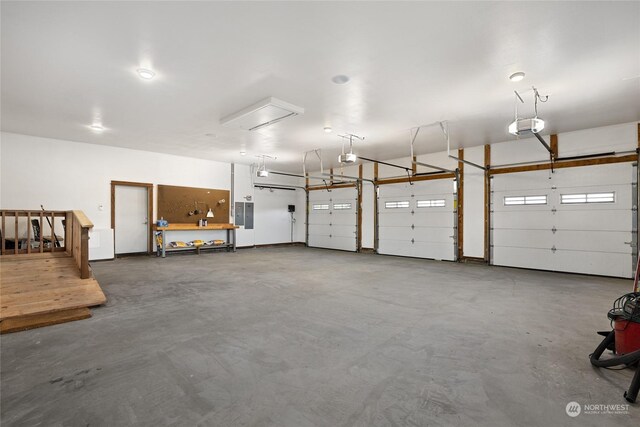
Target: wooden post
(460, 204)
(28, 232)
(53, 232)
(554, 146)
(41, 237)
(84, 252)
(68, 233)
(16, 241)
(4, 228)
(414, 167)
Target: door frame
(149, 188)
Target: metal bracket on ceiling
(445, 130)
(318, 153)
(413, 140)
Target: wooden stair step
(23, 323)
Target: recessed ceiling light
(327, 129)
(145, 73)
(516, 77)
(340, 79)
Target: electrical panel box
(248, 216)
(239, 213)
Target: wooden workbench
(230, 244)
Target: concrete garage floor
(310, 337)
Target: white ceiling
(410, 64)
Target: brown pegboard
(175, 204)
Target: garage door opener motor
(623, 340)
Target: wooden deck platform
(44, 289)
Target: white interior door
(579, 220)
(131, 222)
(333, 219)
(417, 220)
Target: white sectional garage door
(417, 220)
(579, 220)
(333, 219)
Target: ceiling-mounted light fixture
(516, 77)
(243, 153)
(349, 157)
(262, 169)
(145, 73)
(524, 126)
(96, 127)
(327, 129)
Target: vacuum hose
(626, 359)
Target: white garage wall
(71, 175)
(271, 219)
(64, 175)
(473, 216)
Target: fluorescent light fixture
(145, 73)
(96, 127)
(516, 77)
(327, 129)
(261, 114)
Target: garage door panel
(333, 228)
(599, 263)
(607, 220)
(395, 233)
(591, 238)
(596, 176)
(343, 243)
(395, 216)
(435, 218)
(536, 220)
(542, 239)
(430, 236)
(524, 181)
(342, 230)
(321, 229)
(343, 219)
(434, 250)
(540, 259)
(318, 241)
(433, 234)
(596, 241)
(396, 247)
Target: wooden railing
(79, 225)
(26, 232)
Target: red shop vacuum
(623, 340)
